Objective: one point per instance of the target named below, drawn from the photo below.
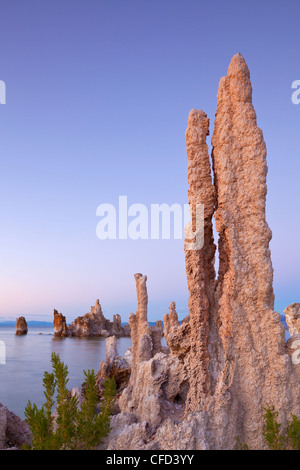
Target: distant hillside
(41, 324)
(32, 323)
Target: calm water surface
(27, 357)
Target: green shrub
(293, 434)
(272, 429)
(276, 437)
(71, 427)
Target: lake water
(28, 356)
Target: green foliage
(292, 435)
(72, 427)
(276, 437)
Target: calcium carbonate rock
(237, 361)
(140, 329)
(228, 358)
(21, 326)
(292, 316)
(114, 366)
(126, 433)
(170, 320)
(156, 335)
(111, 349)
(178, 340)
(177, 334)
(60, 324)
(200, 262)
(157, 386)
(91, 324)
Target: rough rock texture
(157, 386)
(114, 366)
(170, 320)
(111, 349)
(156, 335)
(292, 316)
(234, 329)
(140, 329)
(60, 324)
(13, 431)
(21, 326)
(91, 324)
(159, 324)
(178, 340)
(177, 335)
(229, 354)
(200, 263)
(126, 433)
(117, 328)
(160, 391)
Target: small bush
(272, 429)
(293, 434)
(71, 427)
(239, 445)
(281, 439)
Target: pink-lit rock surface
(228, 358)
(92, 323)
(21, 326)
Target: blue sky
(98, 95)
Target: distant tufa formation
(21, 326)
(114, 366)
(91, 324)
(228, 358)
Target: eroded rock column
(170, 320)
(199, 261)
(238, 361)
(140, 329)
(228, 359)
(253, 367)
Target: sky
(97, 99)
